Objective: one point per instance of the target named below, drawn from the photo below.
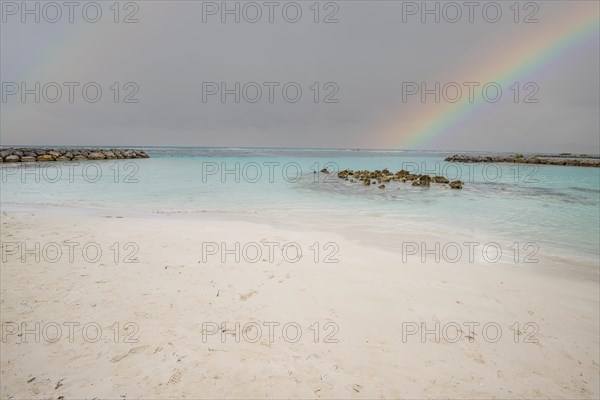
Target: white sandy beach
(361, 305)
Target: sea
(550, 211)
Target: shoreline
(554, 261)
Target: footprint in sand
(477, 357)
(244, 297)
(118, 358)
(135, 350)
(175, 378)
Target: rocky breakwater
(385, 176)
(13, 155)
(568, 160)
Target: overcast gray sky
(177, 48)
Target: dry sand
(362, 308)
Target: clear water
(556, 207)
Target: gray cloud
(367, 55)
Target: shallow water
(556, 207)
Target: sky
(340, 74)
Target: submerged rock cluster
(384, 176)
(9, 155)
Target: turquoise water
(556, 207)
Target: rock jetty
(569, 160)
(13, 155)
(384, 176)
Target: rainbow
(436, 120)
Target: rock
(381, 187)
(560, 159)
(324, 171)
(96, 156)
(590, 163)
(440, 179)
(422, 180)
(66, 154)
(342, 174)
(456, 184)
